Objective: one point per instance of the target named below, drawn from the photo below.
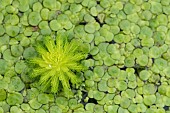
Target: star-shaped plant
(57, 63)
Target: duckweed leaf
(16, 84)
(89, 83)
(99, 70)
(29, 52)
(90, 107)
(44, 13)
(124, 24)
(154, 52)
(55, 25)
(43, 98)
(122, 85)
(149, 99)
(14, 98)
(114, 71)
(122, 110)
(53, 109)
(1, 110)
(148, 42)
(98, 95)
(90, 28)
(162, 19)
(119, 38)
(93, 11)
(142, 60)
(108, 61)
(50, 4)
(111, 82)
(40, 111)
(129, 8)
(23, 5)
(25, 41)
(15, 109)
(125, 102)
(61, 102)
(166, 71)
(123, 75)
(133, 108)
(32, 93)
(3, 66)
(135, 29)
(35, 104)
(17, 50)
(37, 6)
(102, 85)
(149, 89)
(144, 75)
(129, 61)
(132, 84)
(2, 30)
(98, 109)
(3, 95)
(141, 107)
(34, 18)
(75, 8)
(161, 63)
(12, 30)
(112, 108)
(25, 107)
(146, 32)
(105, 4)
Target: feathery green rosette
(57, 63)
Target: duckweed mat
(127, 43)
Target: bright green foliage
(56, 64)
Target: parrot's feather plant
(57, 63)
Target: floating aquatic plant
(57, 63)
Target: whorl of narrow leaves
(56, 62)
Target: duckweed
(127, 61)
